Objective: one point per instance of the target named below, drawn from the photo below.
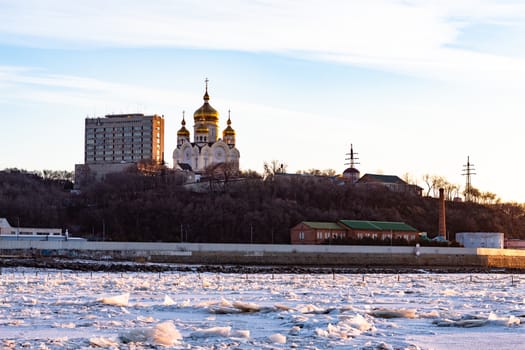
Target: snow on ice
(50, 309)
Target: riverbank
(350, 259)
(126, 266)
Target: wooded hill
(131, 206)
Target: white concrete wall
(165, 248)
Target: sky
(415, 86)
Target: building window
(301, 235)
(319, 235)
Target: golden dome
(229, 130)
(206, 113)
(183, 131)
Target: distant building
(481, 239)
(207, 148)
(359, 229)
(312, 232)
(514, 244)
(350, 175)
(113, 143)
(10, 233)
(391, 182)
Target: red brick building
(312, 232)
(358, 229)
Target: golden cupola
(206, 113)
(183, 131)
(228, 135)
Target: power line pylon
(468, 171)
(353, 160)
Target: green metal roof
(392, 179)
(378, 225)
(323, 225)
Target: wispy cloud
(36, 85)
(411, 37)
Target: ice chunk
(118, 300)
(212, 332)
(163, 333)
(246, 307)
(321, 332)
(431, 314)
(312, 309)
(64, 325)
(240, 334)
(103, 343)
(223, 310)
(145, 319)
(393, 313)
(166, 334)
(449, 292)
(295, 330)
(460, 323)
(168, 301)
(206, 283)
(357, 322)
(277, 338)
(283, 307)
(504, 321)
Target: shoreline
(131, 266)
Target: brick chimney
(442, 229)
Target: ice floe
(393, 313)
(118, 300)
(56, 310)
(163, 333)
(277, 338)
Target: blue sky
(416, 86)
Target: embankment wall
(266, 254)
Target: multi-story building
(124, 138)
(118, 141)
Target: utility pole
(468, 171)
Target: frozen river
(50, 309)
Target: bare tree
(274, 167)
(329, 172)
(428, 179)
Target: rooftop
(378, 225)
(323, 225)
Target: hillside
(131, 206)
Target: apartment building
(118, 141)
(124, 138)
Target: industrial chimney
(442, 229)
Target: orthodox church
(207, 149)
